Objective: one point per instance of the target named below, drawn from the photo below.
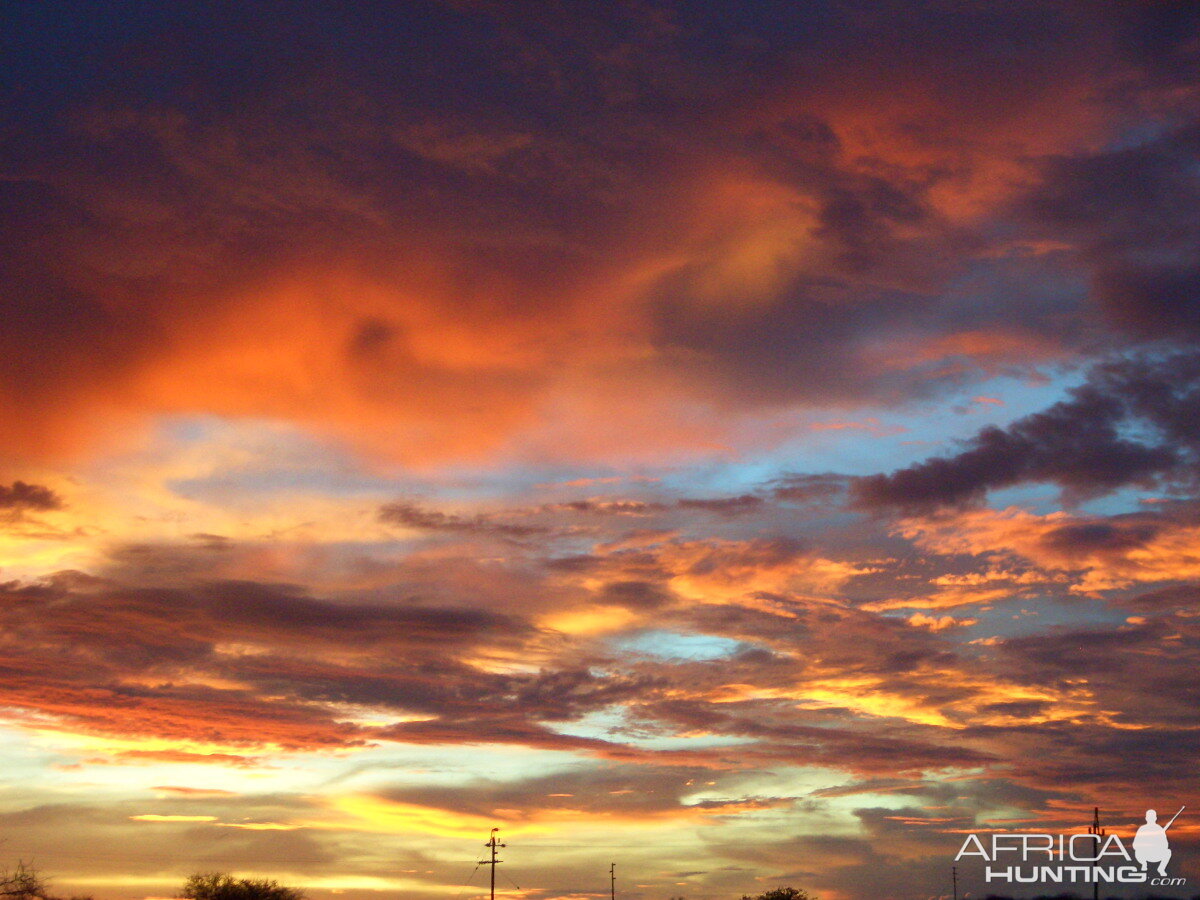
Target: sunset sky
(756, 443)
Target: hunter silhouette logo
(1150, 843)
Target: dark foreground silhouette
(26, 883)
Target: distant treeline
(27, 883)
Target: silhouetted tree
(26, 883)
(781, 893)
(22, 883)
(222, 886)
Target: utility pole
(1099, 832)
(954, 879)
(612, 881)
(493, 845)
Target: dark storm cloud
(636, 595)
(1139, 675)
(1110, 535)
(149, 653)
(567, 693)
(1150, 659)
(1177, 598)
(411, 515)
(564, 517)
(245, 608)
(809, 489)
(20, 497)
(1131, 423)
(1089, 760)
(1130, 212)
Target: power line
(467, 883)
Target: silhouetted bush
(222, 886)
(781, 893)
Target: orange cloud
(1092, 555)
(421, 329)
(935, 623)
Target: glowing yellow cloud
(589, 620)
(366, 813)
(151, 817)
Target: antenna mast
(493, 845)
(1095, 829)
(612, 881)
